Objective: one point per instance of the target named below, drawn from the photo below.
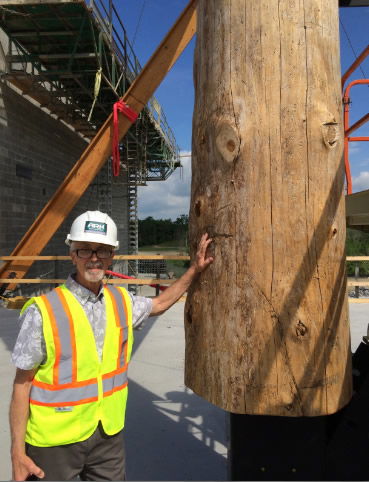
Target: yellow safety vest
(74, 390)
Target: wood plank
(358, 282)
(18, 302)
(132, 281)
(116, 257)
(100, 148)
(133, 256)
(357, 258)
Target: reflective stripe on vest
(114, 381)
(42, 395)
(66, 390)
(62, 326)
(71, 396)
(120, 310)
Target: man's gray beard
(94, 277)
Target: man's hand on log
(202, 261)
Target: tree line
(357, 244)
(157, 231)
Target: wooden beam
(18, 302)
(131, 281)
(95, 155)
(357, 258)
(116, 257)
(358, 282)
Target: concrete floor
(171, 434)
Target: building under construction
(63, 64)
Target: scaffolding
(74, 58)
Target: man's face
(91, 269)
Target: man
(72, 353)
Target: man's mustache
(97, 265)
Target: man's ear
(73, 257)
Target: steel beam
(43, 34)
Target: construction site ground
(171, 434)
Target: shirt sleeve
(30, 348)
(141, 309)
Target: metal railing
(111, 25)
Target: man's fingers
(204, 242)
(38, 472)
(203, 246)
(208, 261)
(24, 467)
(35, 470)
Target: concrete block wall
(36, 153)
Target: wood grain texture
(267, 324)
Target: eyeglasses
(101, 253)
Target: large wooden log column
(267, 324)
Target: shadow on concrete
(179, 437)
(140, 334)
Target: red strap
(132, 116)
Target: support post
(268, 321)
(357, 287)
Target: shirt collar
(81, 293)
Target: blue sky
(148, 21)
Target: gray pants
(100, 457)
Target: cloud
(170, 198)
(360, 182)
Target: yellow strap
(96, 91)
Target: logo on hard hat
(95, 227)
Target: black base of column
(334, 447)
(277, 448)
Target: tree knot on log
(227, 141)
(330, 134)
(198, 208)
(301, 329)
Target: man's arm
(168, 297)
(22, 465)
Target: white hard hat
(94, 227)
